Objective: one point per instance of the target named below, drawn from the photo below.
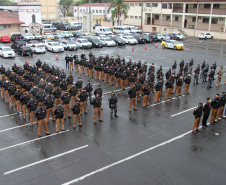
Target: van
(49, 28)
(99, 30)
(121, 29)
(134, 29)
(76, 25)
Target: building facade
(99, 11)
(189, 17)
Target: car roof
(5, 47)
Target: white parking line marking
(182, 112)
(126, 159)
(30, 141)
(7, 115)
(44, 160)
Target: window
(100, 11)
(84, 11)
(103, 11)
(75, 10)
(135, 17)
(170, 6)
(96, 11)
(80, 10)
(207, 6)
(205, 20)
(214, 20)
(168, 18)
(157, 17)
(176, 18)
(140, 4)
(139, 17)
(93, 11)
(131, 17)
(131, 4)
(216, 6)
(193, 19)
(154, 4)
(136, 4)
(164, 5)
(148, 4)
(195, 6)
(1, 27)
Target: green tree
(64, 6)
(120, 8)
(7, 3)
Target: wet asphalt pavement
(152, 146)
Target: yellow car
(49, 36)
(173, 44)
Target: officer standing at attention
(24, 99)
(187, 81)
(219, 76)
(221, 108)
(76, 114)
(158, 88)
(169, 88)
(196, 77)
(132, 96)
(89, 90)
(67, 61)
(78, 84)
(32, 106)
(97, 108)
(206, 112)
(113, 100)
(66, 98)
(59, 114)
(198, 114)
(49, 103)
(73, 91)
(40, 113)
(146, 91)
(215, 104)
(57, 96)
(83, 100)
(179, 83)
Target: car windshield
(37, 35)
(133, 28)
(66, 32)
(130, 37)
(70, 42)
(28, 34)
(125, 28)
(201, 33)
(108, 39)
(107, 29)
(84, 41)
(49, 34)
(175, 42)
(39, 46)
(95, 40)
(55, 44)
(6, 49)
(5, 37)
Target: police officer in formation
(113, 100)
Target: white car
(172, 44)
(28, 36)
(38, 48)
(129, 39)
(103, 37)
(162, 36)
(179, 36)
(83, 43)
(66, 34)
(7, 52)
(45, 42)
(69, 45)
(55, 47)
(205, 36)
(107, 42)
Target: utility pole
(89, 17)
(141, 25)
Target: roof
(176, 1)
(9, 14)
(95, 5)
(6, 20)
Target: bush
(69, 14)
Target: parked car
(205, 36)
(152, 35)
(28, 36)
(85, 33)
(134, 29)
(62, 26)
(69, 45)
(103, 37)
(4, 39)
(72, 39)
(16, 36)
(129, 40)
(148, 38)
(76, 33)
(102, 30)
(96, 43)
(162, 37)
(2, 45)
(24, 50)
(38, 36)
(55, 47)
(173, 44)
(66, 34)
(38, 48)
(31, 42)
(108, 42)
(140, 39)
(118, 41)
(49, 36)
(178, 36)
(7, 52)
(49, 28)
(172, 36)
(18, 43)
(76, 25)
(83, 43)
(94, 26)
(58, 36)
(46, 42)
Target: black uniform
(113, 100)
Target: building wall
(7, 31)
(48, 9)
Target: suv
(69, 45)
(24, 50)
(96, 43)
(16, 36)
(18, 43)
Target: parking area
(151, 146)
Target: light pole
(89, 17)
(141, 25)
